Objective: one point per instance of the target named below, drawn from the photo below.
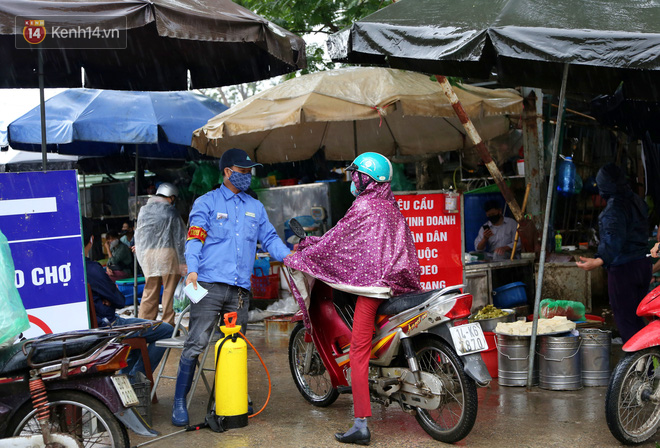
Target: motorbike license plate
(125, 390)
(468, 339)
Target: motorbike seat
(404, 302)
(12, 359)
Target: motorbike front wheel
(315, 384)
(454, 418)
(632, 414)
(71, 412)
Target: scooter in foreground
(425, 356)
(632, 405)
(63, 388)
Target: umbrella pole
(135, 261)
(480, 146)
(42, 105)
(546, 220)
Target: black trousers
(628, 284)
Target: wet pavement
(508, 416)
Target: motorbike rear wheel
(454, 418)
(630, 413)
(315, 385)
(76, 414)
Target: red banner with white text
(435, 222)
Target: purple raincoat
(370, 251)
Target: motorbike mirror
(297, 228)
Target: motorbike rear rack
(104, 336)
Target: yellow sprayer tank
(231, 390)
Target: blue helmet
(374, 165)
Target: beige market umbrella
(353, 110)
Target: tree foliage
(302, 17)
(314, 16)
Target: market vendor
(497, 235)
(120, 261)
(622, 249)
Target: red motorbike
(632, 405)
(424, 356)
(64, 388)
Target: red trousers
(360, 351)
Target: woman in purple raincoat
(369, 252)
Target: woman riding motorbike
(369, 252)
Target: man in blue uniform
(225, 225)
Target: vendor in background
(120, 261)
(496, 236)
(623, 228)
(126, 234)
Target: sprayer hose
(267, 373)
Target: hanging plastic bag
(181, 300)
(13, 318)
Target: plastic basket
(265, 286)
(510, 295)
(126, 288)
(142, 388)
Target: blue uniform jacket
(233, 223)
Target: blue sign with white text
(40, 216)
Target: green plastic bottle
(558, 242)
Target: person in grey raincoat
(623, 229)
(160, 238)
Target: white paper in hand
(195, 295)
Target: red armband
(196, 233)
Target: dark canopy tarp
(219, 42)
(526, 41)
(638, 119)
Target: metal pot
(488, 325)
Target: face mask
(354, 190)
(113, 244)
(240, 181)
(362, 180)
(494, 218)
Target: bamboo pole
(480, 146)
(524, 206)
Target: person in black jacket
(623, 229)
(107, 299)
